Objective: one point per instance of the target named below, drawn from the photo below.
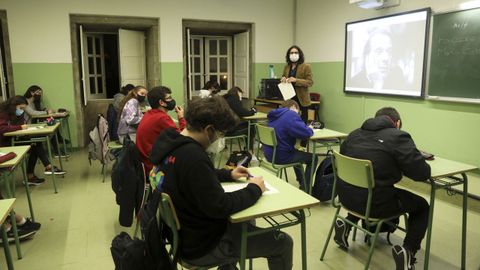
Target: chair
(315, 107)
(231, 139)
(357, 172)
(266, 136)
(110, 146)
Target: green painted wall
(56, 80)
(447, 129)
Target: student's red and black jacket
(193, 183)
(9, 123)
(393, 154)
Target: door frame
(151, 28)
(7, 56)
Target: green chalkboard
(455, 55)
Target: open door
(132, 57)
(241, 62)
(82, 64)
(3, 78)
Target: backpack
(386, 227)
(128, 253)
(112, 122)
(237, 158)
(323, 186)
(98, 146)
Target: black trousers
(37, 152)
(392, 201)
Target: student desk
(38, 133)
(443, 177)
(6, 207)
(251, 120)
(8, 167)
(277, 102)
(64, 116)
(324, 137)
(275, 208)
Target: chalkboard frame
(428, 95)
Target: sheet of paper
(238, 186)
(287, 90)
(35, 128)
(2, 154)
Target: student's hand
(239, 172)
(283, 79)
(291, 80)
(179, 112)
(258, 180)
(24, 126)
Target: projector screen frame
(424, 63)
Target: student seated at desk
(289, 128)
(156, 120)
(12, 119)
(118, 97)
(203, 208)
(392, 153)
(210, 89)
(34, 97)
(234, 100)
(130, 113)
(26, 228)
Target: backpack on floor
(237, 158)
(385, 228)
(128, 253)
(323, 186)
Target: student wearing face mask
(157, 120)
(234, 100)
(130, 113)
(202, 206)
(12, 119)
(289, 128)
(299, 74)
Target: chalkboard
(455, 55)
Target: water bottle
(271, 72)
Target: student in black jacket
(393, 154)
(203, 208)
(234, 100)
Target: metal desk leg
(464, 219)
(69, 135)
(430, 223)
(51, 164)
(15, 232)
(58, 150)
(303, 232)
(243, 246)
(27, 189)
(63, 142)
(312, 167)
(248, 136)
(6, 248)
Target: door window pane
(196, 46)
(223, 64)
(197, 82)
(89, 45)
(196, 64)
(213, 64)
(223, 47)
(213, 47)
(213, 78)
(99, 65)
(92, 85)
(97, 46)
(91, 65)
(224, 82)
(100, 85)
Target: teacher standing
(299, 74)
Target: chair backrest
(168, 215)
(266, 135)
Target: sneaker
(55, 171)
(35, 181)
(404, 259)
(341, 234)
(29, 225)
(61, 155)
(22, 234)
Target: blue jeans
(305, 158)
(276, 246)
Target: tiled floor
(79, 223)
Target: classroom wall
(40, 37)
(444, 128)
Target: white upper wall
(39, 30)
(320, 27)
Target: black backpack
(388, 228)
(128, 253)
(238, 158)
(323, 186)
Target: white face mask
(216, 146)
(294, 57)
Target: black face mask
(141, 99)
(37, 98)
(170, 104)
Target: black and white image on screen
(386, 55)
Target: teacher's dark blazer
(304, 80)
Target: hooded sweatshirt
(288, 128)
(202, 206)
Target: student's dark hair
(10, 105)
(391, 113)
(234, 90)
(289, 103)
(212, 84)
(126, 88)
(31, 90)
(210, 111)
(156, 94)
(301, 56)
